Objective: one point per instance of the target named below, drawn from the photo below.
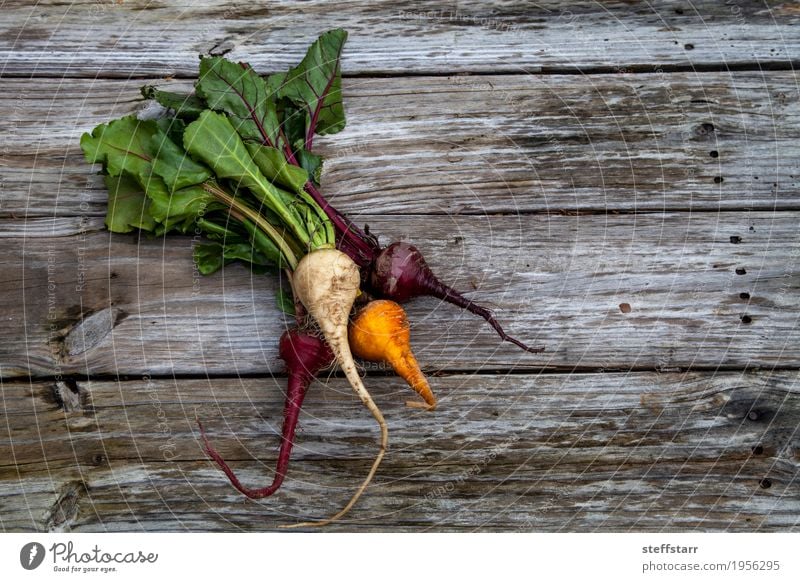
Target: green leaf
(234, 88)
(208, 257)
(174, 165)
(211, 257)
(311, 163)
(181, 209)
(316, 86)
(212, 139)
(173, 126)
(122, 146)
(184, 105)
(274, 166)
(285, 302)
(128, 207)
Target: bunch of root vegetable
(235, 160)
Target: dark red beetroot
(305, 356)
(400, 273)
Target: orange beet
(380, 333)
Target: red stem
(297, 387)
(364, 247)
(437, 289)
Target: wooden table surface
(619, 181)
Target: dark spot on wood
(735, 239)
(752, 228)
(747, 319)
(679, 11)
(99, 459)
(625, 307)
(753, 415)
(705, 129)
(458, 240)
(758, 450)
(765, 483)
(713, 153)
(744, 295)
(113, 275)
(718, 179)
(63, 513)
(741, 271)
(688, 46)
(222, 48)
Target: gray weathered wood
(554, 280)
(474, 144)
(570, 452)
(143, 38)
(700, 272)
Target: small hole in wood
(744, 295)
(747, 319)
(705, 128)
(625, 307)
(718, 179)
(758, 450)
(735, 240)
(741, 271)
(688, 46)
(713, 153)
(753, 415)
(765, 483)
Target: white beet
(326, 282)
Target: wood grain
(618, 180)
(568, 452)
(112, 304)
(494, 144)
(144, 38)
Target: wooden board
(618, 180)
(619, 292)
(473, 145)
(143, 38)
(566, 452)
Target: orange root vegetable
(380, 333)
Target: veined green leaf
(274, 166)
(236, 89)
(122, 146)
(316, 85)
(212, 139)
(184, 105)
(181, 209)
(128, 207)
(174, 165)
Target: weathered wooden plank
(567, 452)
(481, 144)
(143, 38)
(600, 291)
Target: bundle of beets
(235, 161)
